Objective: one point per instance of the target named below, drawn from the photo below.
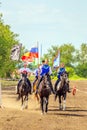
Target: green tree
(7, 40)
(81, 61)
(67, 54)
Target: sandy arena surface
(74, 118)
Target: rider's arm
(28, 71)
(19, 71)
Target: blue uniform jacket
(61, 71)
(45, 69)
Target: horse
(24, 90)
(44, 92)
(62, 89)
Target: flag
(34, 52)
(56, 61)
(27, 57)
(15, 52)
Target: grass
(8, 83)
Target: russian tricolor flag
(34, 52)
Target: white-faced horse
(62, 89)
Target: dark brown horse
(62, 90)
(24, 90)
(44, 93)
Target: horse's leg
(26, 101)
(60, 103)
(22, 102)
(64, 101)
(41, 101)
(46, 104)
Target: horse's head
(65, 80)
(45, 81)
(24, 83)
(65, 76)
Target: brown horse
(24, 90)
(62, 90)
(44, 92)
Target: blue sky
(48, 22)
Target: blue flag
(56, 61)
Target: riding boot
(38, 85)
(29, 84)
(55, 86)
(18, 86)
(51, 87)
(30, 92)
(69, 90)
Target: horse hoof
(42, 113)
(26, 107)
(64, 109)
(18, 99)
(45, 113)
(21, 108)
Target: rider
(60, 72)
(37, 72)
(45, 70)
(21, 71)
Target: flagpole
(41, 50)
(38, 51)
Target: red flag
(27, 57)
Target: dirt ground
(74, 118)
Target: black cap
(43, 61)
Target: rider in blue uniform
(60, 72)
(37, 72)
(45, 70)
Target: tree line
(75, 59)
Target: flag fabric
(15, 52)
(27, 54)
(34, 52)
(31, 55)
(56, 61)
(27, 57)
